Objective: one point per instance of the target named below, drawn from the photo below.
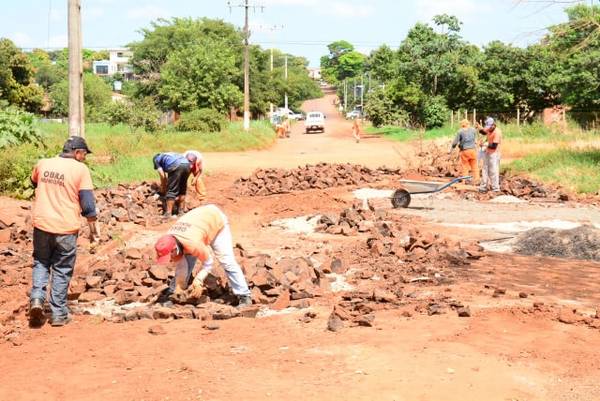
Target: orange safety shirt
(56, 207)
(494, 137)
(197, 229)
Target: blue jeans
(53, 253)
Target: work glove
(198, 283)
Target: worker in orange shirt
(192, 238)
(491, 158)
(196, 170)
(356, 129)
(466, 141)
(63, 193)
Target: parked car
(353, 114)
(290, 114)
(315, 121)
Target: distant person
(356, 129)
(491, 159)
(466, 141)
(63, 193)
(192, 237)
(196, 171)
(174, 170)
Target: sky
(299, 27)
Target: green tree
(17, 84)
(201, 76)
(342, 62)
(96, 95)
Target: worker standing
(63, 192)
(196, 170)
(174, 170)
(356, 129)
(466, 141)
(491, 159)
(192, 237)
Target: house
(314, 73)
(118, 62)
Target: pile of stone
(522, 187)
(359, 218)
(139, 204)
(320, 176)
(131, 277)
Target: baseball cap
(191, 158)
(163, 247)
(75, 143)
(489, 122)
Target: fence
(586, 120)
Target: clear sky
(300, 27)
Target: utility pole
(285, 75)
(76, 115)
(345, 94)
(246, 7)
(362, 92)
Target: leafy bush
(16, 165)
(201, 120)
(96, 93)
(145, 114)
(435, 112)
(381, 111)
(116, 113)
(16, 127)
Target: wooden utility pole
(246, 6)
(76, 114)
(285, 75)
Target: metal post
(362, 92)
(474, 116)
(518, 117)
(75, 70)
(451, 118)
(345, 94)
(271, 103)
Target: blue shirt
(168, 161)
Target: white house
(314, 73)
(118, 62)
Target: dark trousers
(54, 260)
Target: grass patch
(575, 169)
(122, 156)
(525, 133)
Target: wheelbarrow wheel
(400, 198)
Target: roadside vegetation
(120, 154)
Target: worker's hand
(94, 230)
(198, 284)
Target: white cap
(195, 153)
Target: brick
(282, 301)
(159, 272)
(93, 281)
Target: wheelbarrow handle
(442, 187)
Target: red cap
(163, 247)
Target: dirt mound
(320, 176)
(578, 243)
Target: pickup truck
(315, 121)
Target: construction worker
(192, 237)
(491, 158)
(174, 170)
(356, 129)
(466, 141)
(63, 192)
(196, 170)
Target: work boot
(244, 300)
(58, 321)
(36, 312)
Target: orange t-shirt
(197, 229)
(494, 137)
(56, 208)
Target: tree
(201, 76)
(96, 93)
(17, 85)
(342, 62)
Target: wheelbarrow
(401, 197)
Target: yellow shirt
(56, 207)
(197, 229)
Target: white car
(290, 114)
(315, 121)
(353, 114)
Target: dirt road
(506, 350)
